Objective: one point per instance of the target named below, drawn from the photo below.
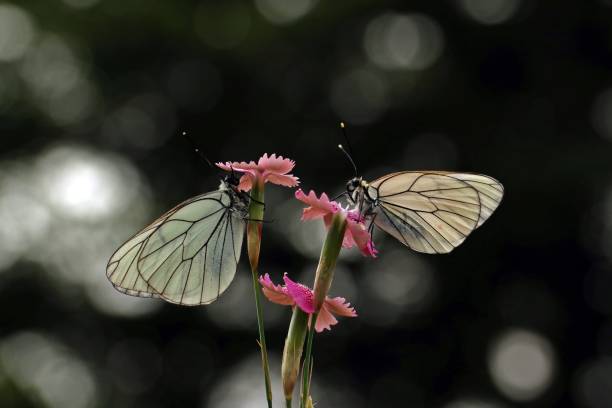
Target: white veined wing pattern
(188, 256)
(432, 211)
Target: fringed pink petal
(224, 166)
(294, 293)
(318, 207)
(302, 295)
(370, 250)
(246, 181)
(327, 219)
(322, 207)
(275, 164)
(249, 170)
(348, 241)
(286, 180)
(275, 293)
(339, 306)
(336, 306)
(244, 166)
(271, 169)
(360, 236)
(238, 166)
(325, 320)
(354, 216)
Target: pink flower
(271, 168)
(356, 232)
(293, 293)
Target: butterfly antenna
(346, 138)
(348, 156)
(197, 150)
(348, 153)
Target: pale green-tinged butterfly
(189, 255)
(428, 211)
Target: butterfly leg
(344, 194)
(262, 221)
(246, 194)
(371, 226)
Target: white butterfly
(428, 211)
(189, 255)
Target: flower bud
(254, 226)
(292, 352)
(329, 256)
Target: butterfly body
(189, 255)
(428, 211)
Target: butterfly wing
(490, 192)
(433, 212)
(188, 256)
(122, 270)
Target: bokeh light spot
(284, 11)
(592, 384)
(304, 237)
(472, 403)
(522, 364)
(24, 219)
(144, 122)
(86, 186)
(109, 301)
(16, 32)
(55, 79)
(490, 11)
(47, 371)
(234, 309)
(403, 283)
(241, 385)
(403, 41)
(81, 4)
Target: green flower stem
(292, 353)
(307, 360)
(254, 230)
(323, 280)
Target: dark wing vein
(156, 267)
(429, 222)
(207, 241)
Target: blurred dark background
(95, 93)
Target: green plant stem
(254, 233)
(323, 280)
(262, 337)
(292, 353)
(307, 362)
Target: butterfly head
(355, 188)
(353, 184)
(230, 181)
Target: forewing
(122, 268)
(191, 258)
(433, 212)
(490, 192)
